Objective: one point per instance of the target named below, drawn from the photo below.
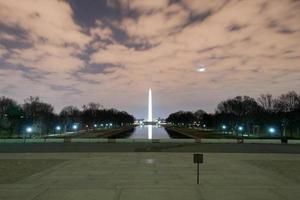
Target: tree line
(248, 115)
(40, 117)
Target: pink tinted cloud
(247, 47)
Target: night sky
(112, 51)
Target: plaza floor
(157, 176)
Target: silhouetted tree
(287, 108)
(90, 113)
(39, 114)
(181, 118)
(70, 115)
(242, 109)
(267, 102)
(10, 116)
(199, 114)
(287, 102)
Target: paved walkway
(157, 176)
(149, 147)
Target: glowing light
(201, 68)
(74, 127)
(58, 128)
(224, 127)
(240, 128)
(29, 130)
(95, 125)
(272, 130)
(204, 126)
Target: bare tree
(5, 103)
(199, 115)
(241, 108)
(267, 102)
(69, 115)
(10, 113)
(287, 105)
(287, 102)
(40, 114)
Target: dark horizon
(268, 102)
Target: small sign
(198, 158)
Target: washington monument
(150, 106)
(150, 120)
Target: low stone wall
(112, 140)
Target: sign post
(198, 158)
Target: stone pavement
(157, 176)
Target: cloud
(233, 36)
(65, 89)
(47, 57)
(41, 23)
(53, 39)
(103, 68)
(247, 47)
(101, 31)
(140, 6)
(3, 51)
(40, 44)
(157, 24)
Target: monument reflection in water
(149, 131)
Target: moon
(201, 68)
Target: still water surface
(149, 132)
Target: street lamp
(29, 130)
(272, 130)
(224, 127)
(58, 128)
(74, 126)
(240, 128)
(95, 125)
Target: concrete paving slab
(160, 194)
(245, 194)
(287, 193)
(158, 176)
(17, 194)
(77, 194)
